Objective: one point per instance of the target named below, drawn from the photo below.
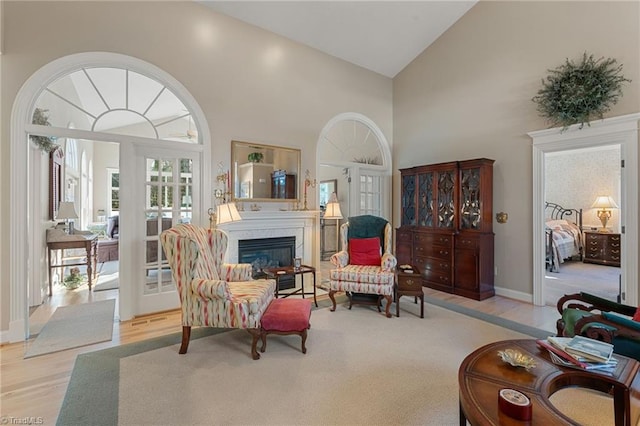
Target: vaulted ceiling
(382, 36)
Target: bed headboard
(556, 211)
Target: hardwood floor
(35, 387)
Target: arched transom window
(119, 101)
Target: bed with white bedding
(563, 229)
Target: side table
(276, 273)
(409, 284)
(58, 240)
(482, 374)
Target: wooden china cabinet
(447, 226)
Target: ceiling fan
(190, 134)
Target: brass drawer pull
(409, 282)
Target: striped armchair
(213, 293)
(360, 280)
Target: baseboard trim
(513, 294)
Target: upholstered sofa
(592, 316)
(108, 249)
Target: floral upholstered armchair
(213, 293)
(365, 265)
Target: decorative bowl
(517, 359)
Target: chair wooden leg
(186, 335)
(304, 339)
(263, 337)
(333, 300)
(255, 332)
(386, 310)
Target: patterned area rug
(404, 370)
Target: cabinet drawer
(467, 243)
(433, 251)
(433, 264)
(404, 236)
(406, 282)
(433, 239)
(437, 277)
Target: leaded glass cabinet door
(408, 199)
(446, 199)
(476, 195)
(426, 199)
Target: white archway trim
(623, 131)
(384, 145)
(20, 119)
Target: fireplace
(263, 253)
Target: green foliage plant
(74, 279)
(44, 143)
(579, 92)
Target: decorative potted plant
(74, 280)
(577, 92)
(255, 157)
(44, 143)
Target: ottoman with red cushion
(286, 316)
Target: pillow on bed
(551, 223)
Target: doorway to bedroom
(582, 255)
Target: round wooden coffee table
(482, 374)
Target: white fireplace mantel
(300, 224)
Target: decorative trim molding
(623, 131)
(272, 224)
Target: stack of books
(580, 352)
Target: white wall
(251, 85)
(469, 95)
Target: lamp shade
(604, 202)
(66, 210)
(332, 211)
(226, 213)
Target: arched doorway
(353, 150)
(354, 158)
(99, 117)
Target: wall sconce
(604, 203)
(308, 183)
(502, 217)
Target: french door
(168, 189)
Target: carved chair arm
(589, 302)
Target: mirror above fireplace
(264, 172)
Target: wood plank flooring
(36, 387)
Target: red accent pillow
(636, 316)
(364, 251)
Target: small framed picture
(297, 262)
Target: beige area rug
(108, 277)
(360, 368)
(73, 326)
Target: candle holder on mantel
(307, 183)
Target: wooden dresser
(602, 248)
(447, 226)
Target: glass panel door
(170, 198)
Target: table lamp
(224, 213)
(66, 211)
(604, 204)
(332, 211)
